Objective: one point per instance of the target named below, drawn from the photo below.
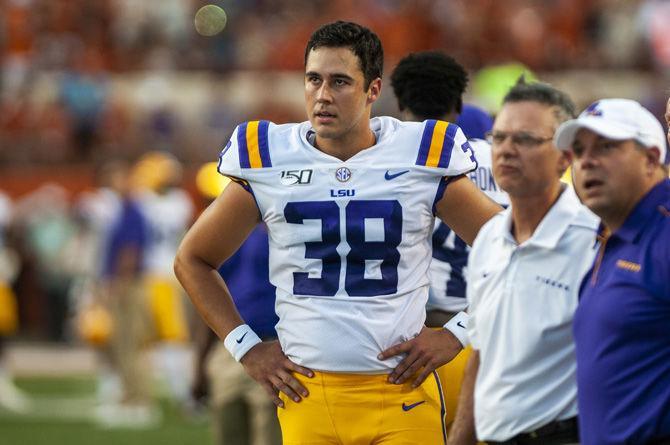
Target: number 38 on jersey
(363, 252)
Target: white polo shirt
(522, 299)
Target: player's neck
(348, 144)
(528, 211)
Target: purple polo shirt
(622, 330)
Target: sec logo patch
(343, 174)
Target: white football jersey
(101, 209)
(350, 241)
(450, 253)
(168, 216)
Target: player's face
(336, 100)
(525, 161)
(608, 174)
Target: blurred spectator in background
(8, 268)
(44, 227)
(16, 23)
(68, 71)
(97, 212)
(123, 267)
(11, 398)
(168, 212)
(83, 92)
(654, 16)
(241, 411)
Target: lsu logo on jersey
(343, 193)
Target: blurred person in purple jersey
(97, 212)
(430, 85)
(522, 275)
(621, 325)
(241, 413)
(123, 266)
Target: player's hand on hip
(426, 352)
(267, 364)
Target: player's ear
(374, 90)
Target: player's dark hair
(564, 108)
(430, 84)
(360, 40)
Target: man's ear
(374, 90)
(564, 162)
(653, 156)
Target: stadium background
(82, 81)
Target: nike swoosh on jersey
(406, 407)
(239, 340)
(460, 324)
(388, 176)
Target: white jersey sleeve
(168, 216)
(445, 148)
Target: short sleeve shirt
(622, 330)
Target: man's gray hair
(564, 108)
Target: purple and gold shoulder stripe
(436, 144)
(252, 142)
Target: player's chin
(326, 131)
(596, 203)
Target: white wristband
(458, 325)
(240, 340)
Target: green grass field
(63, 416)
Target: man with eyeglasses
(523, 275)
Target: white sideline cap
(616, 119)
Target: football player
(168, 211)
(430, 85)
(349, 203)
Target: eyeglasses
(521, 139)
